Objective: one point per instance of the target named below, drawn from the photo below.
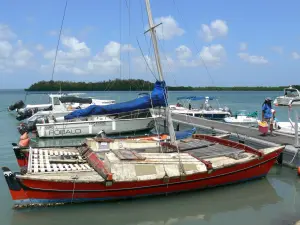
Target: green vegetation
(133, 85)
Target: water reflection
(199, 206)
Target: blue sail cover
(155, 99)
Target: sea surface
(273, 200)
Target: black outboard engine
(26, 113)
(27, 127)
(18, 105)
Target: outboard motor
(26, 113)
(18, 105)
(29, 127)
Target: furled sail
(155, 99)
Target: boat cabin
(62, 102)
(291, 92)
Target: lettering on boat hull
(64, 132)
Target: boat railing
(296, 127)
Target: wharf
(247, 135)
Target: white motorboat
(243, 117)
(59, 105)
(287, 127)
(205, 110)
(92, 125)
(290, 93)
(290, 127)
(131, 116)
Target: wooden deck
(237, 130)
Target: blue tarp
(194, 98)
(155, 99)
(184, 133)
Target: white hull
(241, 120)
(287, 128)
(43, 114)
(284, 101)
(213, 114)
(93, 127)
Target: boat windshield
(291, 93)
(242, 113)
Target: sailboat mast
(159, 67)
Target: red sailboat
(91, 174)
(128, 174)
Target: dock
(246, 135)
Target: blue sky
(240, 43)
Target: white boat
(205, 110)
(287, 127)
(243, 117)
(59, 105)
(62, 106)
(92, 125)
(131, 116)
(290, 93)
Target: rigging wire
(194, 43)
(145, 59)
(58, 41)
(148, 43)
(129, 28)
(120, 24)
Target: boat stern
(16, 190)
(21, 155)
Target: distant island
(134, 85)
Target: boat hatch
(128, 155)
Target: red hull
(37, 191)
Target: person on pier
(267, 114)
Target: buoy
(298, 171)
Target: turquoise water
(272, 200)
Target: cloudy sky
(202, 43)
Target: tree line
(134, 85)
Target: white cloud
(127, 48)
(73, 50)
(112, 49)
(295, 55)
(74, 45)
(14, 57)
(76, 57)
(184, 57)
(213, 54)
(277, 49)
(39, 47)
(108, 61)
(253, 59)
(183, 52)
(217, 28)
(168, 29)
(6, 33)
(5, 49)
(243, 46)
(22, 57)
